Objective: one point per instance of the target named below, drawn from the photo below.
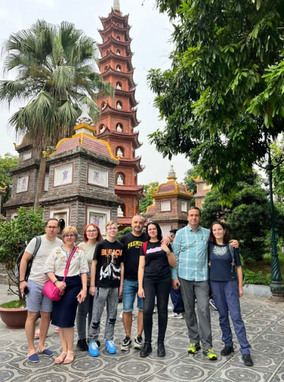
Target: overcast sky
(150, 33)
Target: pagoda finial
(172, 173)
(116, 5)
(84, 117)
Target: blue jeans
(226, 297)
(130, 288)
(161, 289)
(176, 298)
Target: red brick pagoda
(118, 114)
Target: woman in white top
(74, 287)
(91, 236)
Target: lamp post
(276, 286)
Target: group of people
(142, 265)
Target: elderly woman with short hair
(74, 287)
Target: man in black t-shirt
(132, 243)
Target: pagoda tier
(110, 75)
(118, 115)
(117, 58)
(119, 136)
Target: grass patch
(14, 304)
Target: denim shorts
(130, 289)
(36, 301)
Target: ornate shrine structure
(118, 115)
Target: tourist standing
(91, 236)
(37, 302)
(132, 242)
(106, 284)
(226, 280)
(74, 288)
(154, 280)
(176, 297)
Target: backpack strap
(145, 247)
(37, 245)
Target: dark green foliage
(218, 99)
(247, 218)
(147, 201)
(15, 234)
(123, 232)
(7, 162)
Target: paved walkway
(265, 328)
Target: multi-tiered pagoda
(118, 114)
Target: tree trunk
(40, 182)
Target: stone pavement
(264, 321)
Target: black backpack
(29, 264)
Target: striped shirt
(191, 251)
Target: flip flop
(61, 358)
(46, 352)
(68, 359)
(33, 358)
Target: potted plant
(14, 235)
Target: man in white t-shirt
(37, 302)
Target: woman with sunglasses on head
(91, 236)
(154, 280)
(226, 280)
(74, 288)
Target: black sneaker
(227, 350)
(146, 350)
(247, 360)
(138, 342)
(126, 343)
(82, 345)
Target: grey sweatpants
(108, 297)
(200, 290)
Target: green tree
(55, 76)
(188, 180)
(14, 235)
(247, 216)
(148, 190)
(222, 51)
(7, 162)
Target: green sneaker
(193, 348)
(210, 354)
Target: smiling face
(111, 231)
(137, 225)
(152, 231)
(92, 232)
(218, 232)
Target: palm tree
(55, 75)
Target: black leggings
(161, 289)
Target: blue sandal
(46, 352)
(33, 358)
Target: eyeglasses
(92, 231)
(51, 227)
(112, 228)
(69, 235)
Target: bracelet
(22, 281)
(54, 282)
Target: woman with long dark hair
(226, 280)
(154, 280)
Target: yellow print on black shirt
(135, 243)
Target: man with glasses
(37, 302)
(106, 283)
